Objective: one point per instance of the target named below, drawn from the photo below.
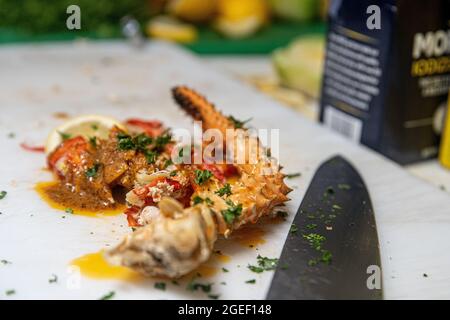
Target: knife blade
(332, 249)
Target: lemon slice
(86, 126)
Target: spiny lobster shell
(182, 239)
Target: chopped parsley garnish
(238, 124)
(69, 210)
(10, 292)
(225, 190)
(252, 281)
(293, 175)
(125, 142)
(175, 283)
(312, 262)
(293, 229)
(311, 226)
(64, 136)
(93, 141)
(194, 286)
(160, 286)
(213, 296)
(11, 135)
(94, 126)
(150, 156)
(162, 140)
(336, 206)
(108, 296)
(53, 279)
(326, 256)
(225, 270)
(5, 262)
(233, 211)
(92, 171)
(315, 240)
(180, 153)
(344, 186)
(3, 194)
(173, 173)
(201, 176)
(264, 264)
(139, 142)
(197, 200)
(168, 162)
(142, 141)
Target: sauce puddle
(48, 191)
(249, 236)
(94, 266)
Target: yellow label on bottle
(444, 155)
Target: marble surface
(413, 217)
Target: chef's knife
(332, 249)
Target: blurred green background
(205, 26)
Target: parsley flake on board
(3, 194)
(108, 296)
(264, 264)
(10, 292)
(195, 286)
(293, 175)
(344, 186)
(252, 281)
(160, 286)
(315, 240)
(293, 229)
(311, 226)
(53, 279)
(69, 210)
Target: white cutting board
(413, 217)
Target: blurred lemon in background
(240, 18)
(296, 10)
(299, 65)
(168, 28)
(192, 10)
